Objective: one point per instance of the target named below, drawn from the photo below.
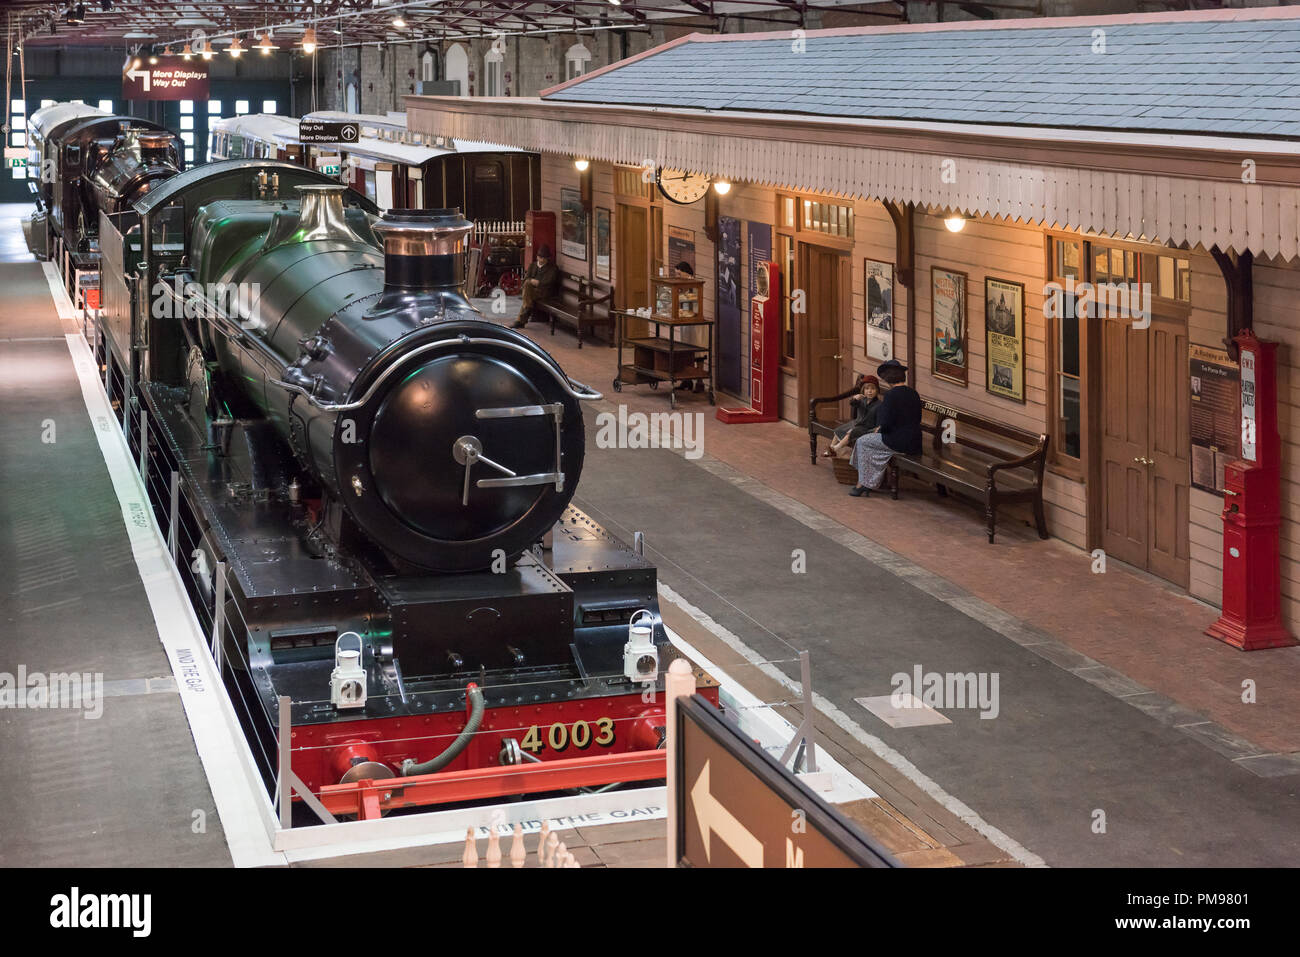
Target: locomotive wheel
(654, 385)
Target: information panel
(1215, 382)
(321, 131)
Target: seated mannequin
(863, 408)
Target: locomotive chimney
(424, 249)
(154, 146)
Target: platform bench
(823, 429)
(987, 461)
(578, 304)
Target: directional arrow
(714, 818)
(139, 75)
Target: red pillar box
(764, 352)
(1252, 577)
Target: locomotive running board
(368, 799)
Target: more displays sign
(321, 131)
(159, 81)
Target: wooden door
(825, 277)
(1169, 452)
(633, 281)
(1145, 446)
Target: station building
(894, 168)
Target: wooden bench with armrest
(578, 304)
(992, 463)
(826, 430)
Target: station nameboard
(738, 807)
(320, 131)
(159, 81)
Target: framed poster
(948, 324)
(1004, 338)
(681, 251)
(602, 243)
(573, 225)
(879, 287)
(1215, 415)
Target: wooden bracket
(1237, 276)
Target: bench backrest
(975, 432)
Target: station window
(576, 61)
(785, 245)
(45, 103)
(268, 106)
(1067, 382)
(493, 73)
(17, 106)
(189, 155)
(106, 106)
(18, 122)
(214, 107)
(19, 138)
(19, 172)
(241, 107)
(187, 122)
(187, 137)
(187, 106)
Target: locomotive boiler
(374, 493)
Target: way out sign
(165, 81)
(738, 807)
(323, 131)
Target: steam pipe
(476, 707)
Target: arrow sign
(139, 75)
(713, 818)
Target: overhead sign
(321, 131)
(738, 807)
(183, 81)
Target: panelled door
(1145, 445)
(633, 288)
(826, 339)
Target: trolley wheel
(618, 385)
(654, 385)
(711, 399)
(672, 400)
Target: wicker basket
(845, 473)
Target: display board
(1215, 382)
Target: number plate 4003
(580, 734)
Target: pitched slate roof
(1235, 74)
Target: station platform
(1112, 699)
(111, 780)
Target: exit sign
(330, 170)
(15, 162)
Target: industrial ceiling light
(265, 44)
(187, 52)
(207, 49)
(581, 165)
(236, 49)
(167, 51)
(399, 22)
(721, 187)
(955, 223)
(153, 60)
(309, 40)
(75, 15)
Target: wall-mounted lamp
(955, 224)
(721, 187)
(581, 165)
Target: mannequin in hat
(863, 406)
(540, 282)
(898, 429)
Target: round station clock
(682, 187)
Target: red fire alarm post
(764, 351)
(1252, 580)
